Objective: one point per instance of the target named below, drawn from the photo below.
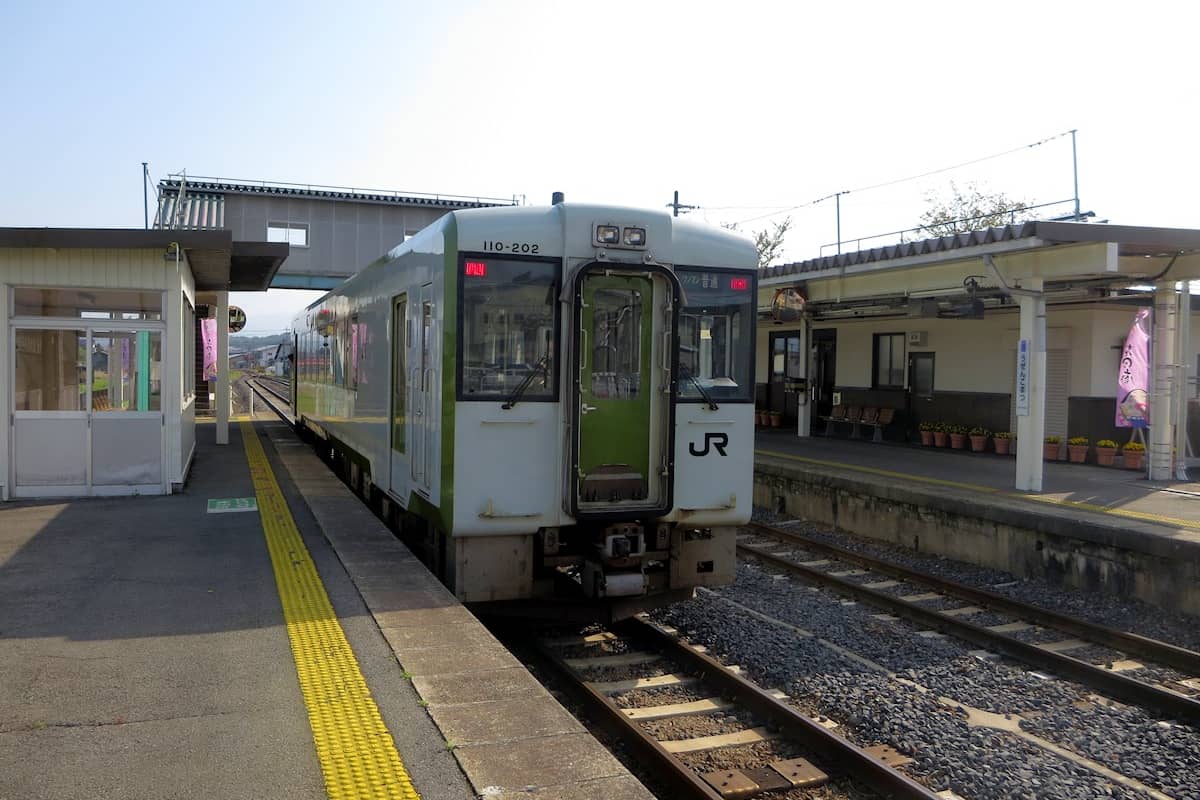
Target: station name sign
(1022, 401)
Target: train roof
(691, 241)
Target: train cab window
(716, 334)
(616, 359)
(509, 313)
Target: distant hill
(243, 343)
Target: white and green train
(552, 402)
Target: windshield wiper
(687, 373)
(540, 367)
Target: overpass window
(716, 334)
(294, 233)
(509, 313)
(889, 361)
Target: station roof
(218, 262)
(231, 186)
(1132, 241)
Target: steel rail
(683, 782)
(270, 397)
(1131, 643)
(1112, 683)
(822, 741)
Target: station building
(98, 341)
(932, 330)
(101, 375)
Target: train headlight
(635, 237)
(608, 234)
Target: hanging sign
(1023, 378)
(208, 338)
(1133, 375)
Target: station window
(51, 370)
(889, 361)
(126, 371)
(509, 314)
(294, 233)
(87, 304)
(716, 334)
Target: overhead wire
(893, 182)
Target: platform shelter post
(1031, 406)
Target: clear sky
(746, 108)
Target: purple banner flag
(1133, 376)
(208, 331)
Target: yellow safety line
(974, 487)
(355, 748)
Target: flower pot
(1134, 459)
(776, 419)
(1002, 446)
(940, 438)
(927, 438)
(978, 444)
(1077, 453)
(958, 440)
(1105, 456)
(1050, 452)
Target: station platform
(1092, 527)
(260, 635)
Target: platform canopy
(218, 262)
(1028, 265)
(1065, 256)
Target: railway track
(778, 749)
(1035, 636)
(274, 394)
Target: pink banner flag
(1133, 376)
(208, 333)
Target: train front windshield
(716, 332)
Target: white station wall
(100, 268)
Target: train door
(292, 365)
(398, 452)
(623, 407)
(424, 372)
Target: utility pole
(837, 200)
(1075, 170)
(146, 195)
(676, 205)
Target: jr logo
(718, 441)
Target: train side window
(509, 324)
(716, 334)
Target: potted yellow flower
(1002, 441)
(1077, 449)
(1106, 452)
(1050, 447)
(979, 437)
(1133, 455)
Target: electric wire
(893, 182)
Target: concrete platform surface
(143, 652)
(510, 736)
(1096, 528)
(1078, 488)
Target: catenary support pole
(1031, 421)
(222, 399)
(1162, 398)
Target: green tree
(769, 241)
(970, 209)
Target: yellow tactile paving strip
(358, 757)
(1099, 509)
